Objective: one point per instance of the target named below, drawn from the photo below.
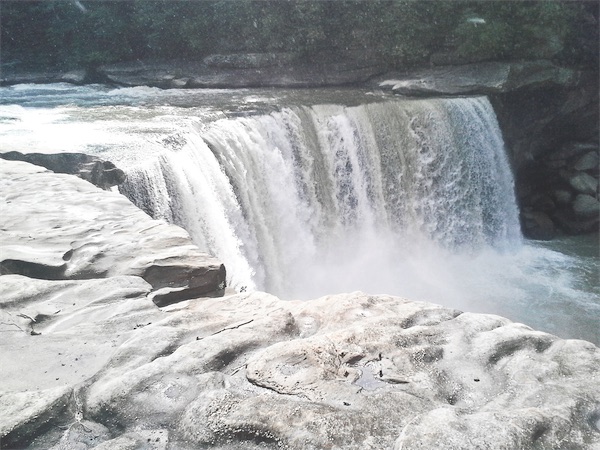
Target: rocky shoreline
(97, 360)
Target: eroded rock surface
(92, 362)
(58, 227)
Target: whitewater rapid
(304, 194)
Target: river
(303, 193)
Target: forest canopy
(87, 33)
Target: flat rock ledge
(478, 78)
(89, 361)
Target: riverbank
(95, 363)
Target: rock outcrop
(89, 361)
(478, 78)
(103, 174)
(58, 227)
(242, 70)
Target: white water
(405, 197)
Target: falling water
(308, 193)
(310, 200)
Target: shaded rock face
(552, 137)
(89, 361)
(58, 227)
(103, 174)
(239, 71)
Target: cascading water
(306, 193)
(311, 200)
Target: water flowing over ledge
(310, 192)
(313, 193)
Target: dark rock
(238, 71)
(563, 197)
(584, 183)
(538, 225)
(586, 206)
(589, 161)
(572, 149)
(570, 223)
(103, 174)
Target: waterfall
(309, 200)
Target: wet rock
(538, 225)
(586, 206)
(584, 183)
(589, 161)
(563, 197)
(572, 149)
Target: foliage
(75, 33)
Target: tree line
(87, 33)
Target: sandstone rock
(238, 71)
(586, 206)
(584, 183)
(478, 78)
(103, 174)
(107, 369)
(104, 236)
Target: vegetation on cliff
(80, 33)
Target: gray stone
(103, 174)
(589, 161)
(91, 362)
(571, 149)
(74, 77)
(563, 197)
(250, 60)
(82, 232)
(478, 78)
(242, 70)
(586, 206)
(584, 183)
(538, 225)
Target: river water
(304, 193)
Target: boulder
(586, 206)
(589, 161)
(103, 174)
(90, 362)
(538, 225)
(584, 183)
(478, 78)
